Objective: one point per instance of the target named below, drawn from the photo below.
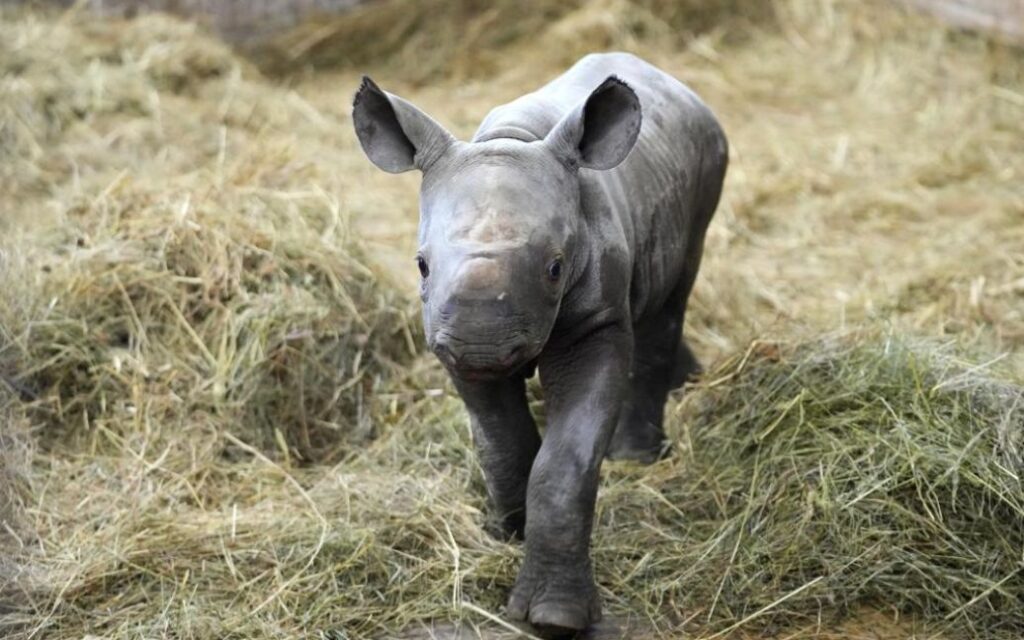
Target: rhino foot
(509, 528)
(639, 441)
(643, 456)
(558, 603)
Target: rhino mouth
(487, 375)
(483, 360)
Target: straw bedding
(218, 419)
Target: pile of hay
(809, 482)
(256, 311)
(180, 290)
(216, 419)
(436, 39)
(224, 290)
(817, 478)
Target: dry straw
(218, 421)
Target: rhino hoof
(558, 621)
(643, 455)
(555, 612)
(507, 529)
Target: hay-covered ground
(218, 422)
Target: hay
(808, 482)
(224, 292)
(816, 478)
(17, 449)
(472, 39)
(59, 76)
(15, 492)
(225, 425)
(258, 311)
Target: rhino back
(658, 203)
(666, 191)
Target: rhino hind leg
(660, 359)
(687, 366)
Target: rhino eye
(422, 264)
(555, 269)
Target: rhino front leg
(507, 441)
(584, 386)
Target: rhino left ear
(395, 135)
(599, 133)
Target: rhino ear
(600, 132)
(394, 134)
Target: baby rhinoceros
(565, 237)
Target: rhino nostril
(448, 309)
(444, 352)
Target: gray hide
(566, 237)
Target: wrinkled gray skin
(565, 236)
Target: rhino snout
(461, 355)
(484, 318)
(482, 336)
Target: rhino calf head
(499, 219)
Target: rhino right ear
(394, 134)
(601, 131)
